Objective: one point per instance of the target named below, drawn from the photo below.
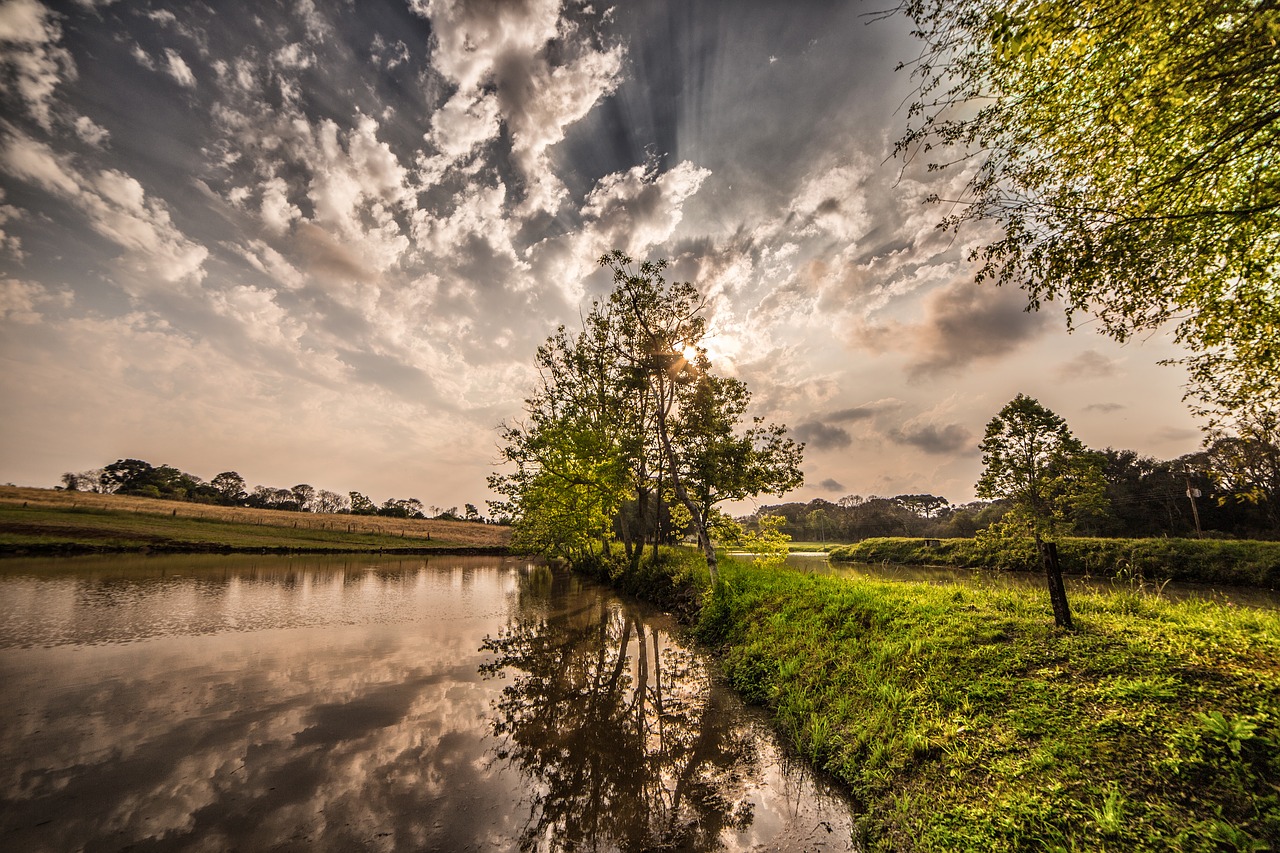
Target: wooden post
(1057, 589)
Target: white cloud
(505, 46)
(156, 252)
(91, 132)
(34, 161)
(177, 68)
(831, 203)
(38, 65)
(20, 301)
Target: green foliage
(1240, 563)
(767, 542)
(629, 414)
(1130, 152)
(1032, 460)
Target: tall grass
(1241, 563)
(964, 720)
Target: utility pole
(1192, 494)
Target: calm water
(450, 704)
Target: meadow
(53, 521)
(962, 719)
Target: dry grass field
(96, 515)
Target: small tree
(768, 543)
(1033, 461)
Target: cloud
(932, 438)
(90, 132)
(1105, 408)
(156, 252)
(35, 65)
(21, 301)
(830, 485)
(521, 65)
(1090, 364)
(831, 203)
(856, 413)
(965, 323)
(820, 436)
(177, 68)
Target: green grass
(41, 529)
(1242, 563)
(963, 720)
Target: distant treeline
(142, 479)
(1233, 487)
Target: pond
(442, 703)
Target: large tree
(1129, 151)
(627, 411)
(1032, 460)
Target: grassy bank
(1239, 563)
(964, 721)
(44, 521)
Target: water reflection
(330, 705)
(627, 743)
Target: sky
(320, 240)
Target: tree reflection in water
(619, 731)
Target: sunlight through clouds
(374, 213)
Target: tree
(767, 542)
(230, 486)
(1033, 461)
(303, 495)
(1129, 150)
(361, 505)
(1247, 465)
(330, 502)
(628, 418)
(696, 413)
(83, 481)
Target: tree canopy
(1129, 150)
(628, 420)
(1031, 459)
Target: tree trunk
(699, 523)
(1057, 589)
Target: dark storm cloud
(967, 323)
(820, 436)
(931, 438)
(830, 485)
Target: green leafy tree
(1129, 150)
(1247, 465)
(628, 421)
(1032, 460)
(768, 542)
(230, 487)
(705, 456)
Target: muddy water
(448, 704)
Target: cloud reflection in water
(327, 706)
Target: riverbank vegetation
(45, 521)
(1241, 563)
(963, 720)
